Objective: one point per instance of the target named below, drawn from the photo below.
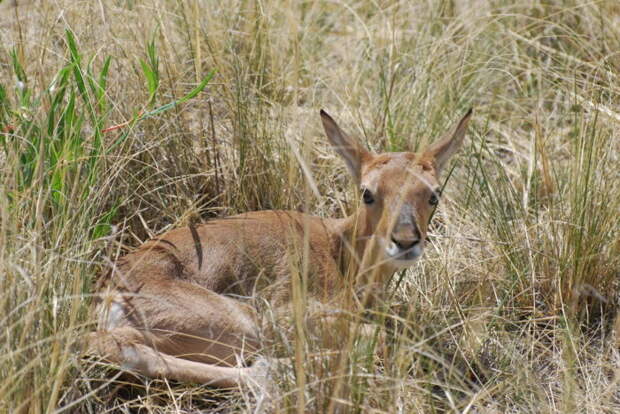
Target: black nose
(405, 244)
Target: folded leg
(175, 329)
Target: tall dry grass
(513, 308)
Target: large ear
(348, 148)
(442, 150)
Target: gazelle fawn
(182, 305)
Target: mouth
(403, 257)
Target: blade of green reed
(194, 92)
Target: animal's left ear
(442, 150)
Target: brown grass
(513, 308)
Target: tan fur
(183, 306)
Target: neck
(360, 256)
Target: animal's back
(251, 254)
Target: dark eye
(367, 196)
(435, 198)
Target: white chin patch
(402, 258)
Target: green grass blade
(193, 93)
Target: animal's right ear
(349, 149)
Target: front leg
(326, 325)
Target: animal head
(400, 190)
